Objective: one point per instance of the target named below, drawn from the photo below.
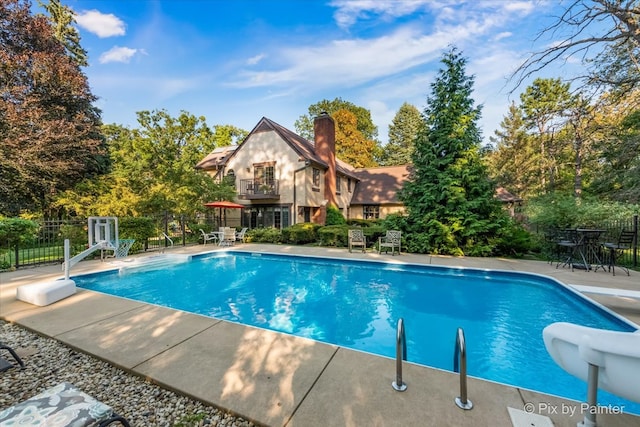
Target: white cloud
(255, 59)
(118, 54)
(523, 7)
(502, 35)
(101, 24)
(349, 11)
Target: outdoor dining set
(225, 236)
(585, 248)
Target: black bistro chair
(625, 240)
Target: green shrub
(15, 231)
(264, 235)
(139, 229)
(301, 233)
(77, 234)
(334, 216)
(334, 235)
(513, 240)
(565, 211)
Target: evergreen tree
(513, 162)
(449, 196)
(402, 131)
(61, 18)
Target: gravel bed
(49, 362)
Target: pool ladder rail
(460, 365)
(401, 354)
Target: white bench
(45, 293)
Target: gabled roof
(380, 185)
(304, 148)
(217, 158)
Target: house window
(316, 177)
(266, 216)
(264, 174)
(338, 184)
(349, 185)
(371, 211)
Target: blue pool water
(357, 304)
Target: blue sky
(234, 62)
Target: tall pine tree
(402, 131)
(449, 196)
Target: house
(283, 179)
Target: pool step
(154, 262)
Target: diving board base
(46, 293)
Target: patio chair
(4, 363)
(567, 242)
(357, 238)
(241, 235)
(625, 240)
(228, 237)
(390, 241)
(63, 403)
(206, 237)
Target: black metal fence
(179, 230)
(614, 228)
(48, 245)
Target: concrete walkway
(280, 380)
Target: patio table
(588, 247)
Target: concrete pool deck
(280, 380)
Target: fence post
(635, 245)
(182, 229)
(16, 252)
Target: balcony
(259, 189)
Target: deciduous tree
(351, 145)
(304, 124)
(49, 129)
(603, 34)
(153, 169)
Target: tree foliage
(153, 169)
(513, 159)
(351, 145)
(224, 135)
(61, 18)
(545, 105)
(49, 130)
(569, 144)
(604, 34)
(449, 196)
(402, 131)
(304, 124)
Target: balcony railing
(252, 189)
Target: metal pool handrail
(401, 354)
(460, 365)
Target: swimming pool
(356, 304)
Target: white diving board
(612, 292)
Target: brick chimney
(324, 129)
